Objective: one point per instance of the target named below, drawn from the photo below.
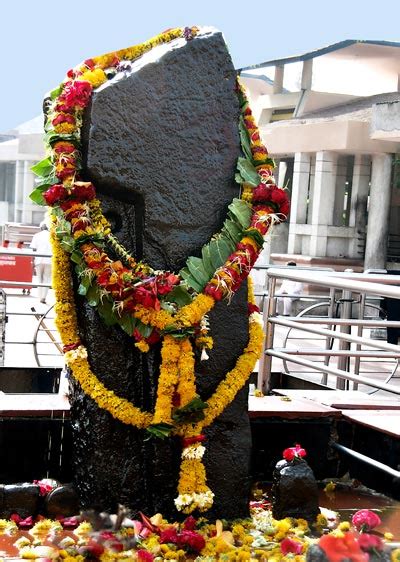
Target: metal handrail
(349, 282)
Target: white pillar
(19, 186)
(359, 202)
(340, 189)
(29, 182)
(378, 212)
(278, 79)
(306, 75)
(298, 206)
(323, 201)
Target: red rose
(165, 283)
(370, 542)
(279, 196)
(147, 298)
(213, 291)
(169, 535)
(63, 147)
(54, 194)
(291, 546)
(63, 118)
(190, 523)
(144, 556)
(194, 541)
(365, 520)
(338, 549)
(83, 191)
(292, 453)
(76, 94)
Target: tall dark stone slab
(160, 144)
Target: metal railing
(45, 341)
(342, 287)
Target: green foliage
(179, 295)
(160, 430)
(43, 168)
(248, 172)
(192, 412)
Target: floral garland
(152, 305)
(192, 488)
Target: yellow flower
(95, 77)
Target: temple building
(331, 120)
(20, 148)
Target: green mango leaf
(160, 430)
(84, 285)
(43, 168)
(207, 263)
(241, 211)
(93, 295)
(244, 139)
(68, 244)
(128, 323)
(143, 329)
(257, 237)
(248, 171)
(196, 268)
(220, 249)
(56, 92)
(238, 178)
(106, 311)
(179, 295)
(76, 256)
(192, 412)
(233, 230)
(37, 197)
(190, 280)
(51, 137)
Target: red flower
(338, 549)
(190, 523)
(147, 298)
(44, 487)
(144, 556)
(186, 441)
(213, 291)
(370, 542)
(63, 147)
(166, 282)
(54, 194)
(291, 546)
(76, 94)
(365, 520)
(63, 118)
(192, 540)
(294, 453)
(169, 534)
(83, 191)
(252, 308)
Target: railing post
(265, 363)
(343, 361)
(331, 313)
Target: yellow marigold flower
(344, 526)
(65, 128)
(251, 241)
(96, 77)
(388, 536)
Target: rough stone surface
(62, 501)
(161, 145)
(294, 491)
(20, 498)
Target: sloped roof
(33, 126)
(322, 51)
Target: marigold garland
(141, 298)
